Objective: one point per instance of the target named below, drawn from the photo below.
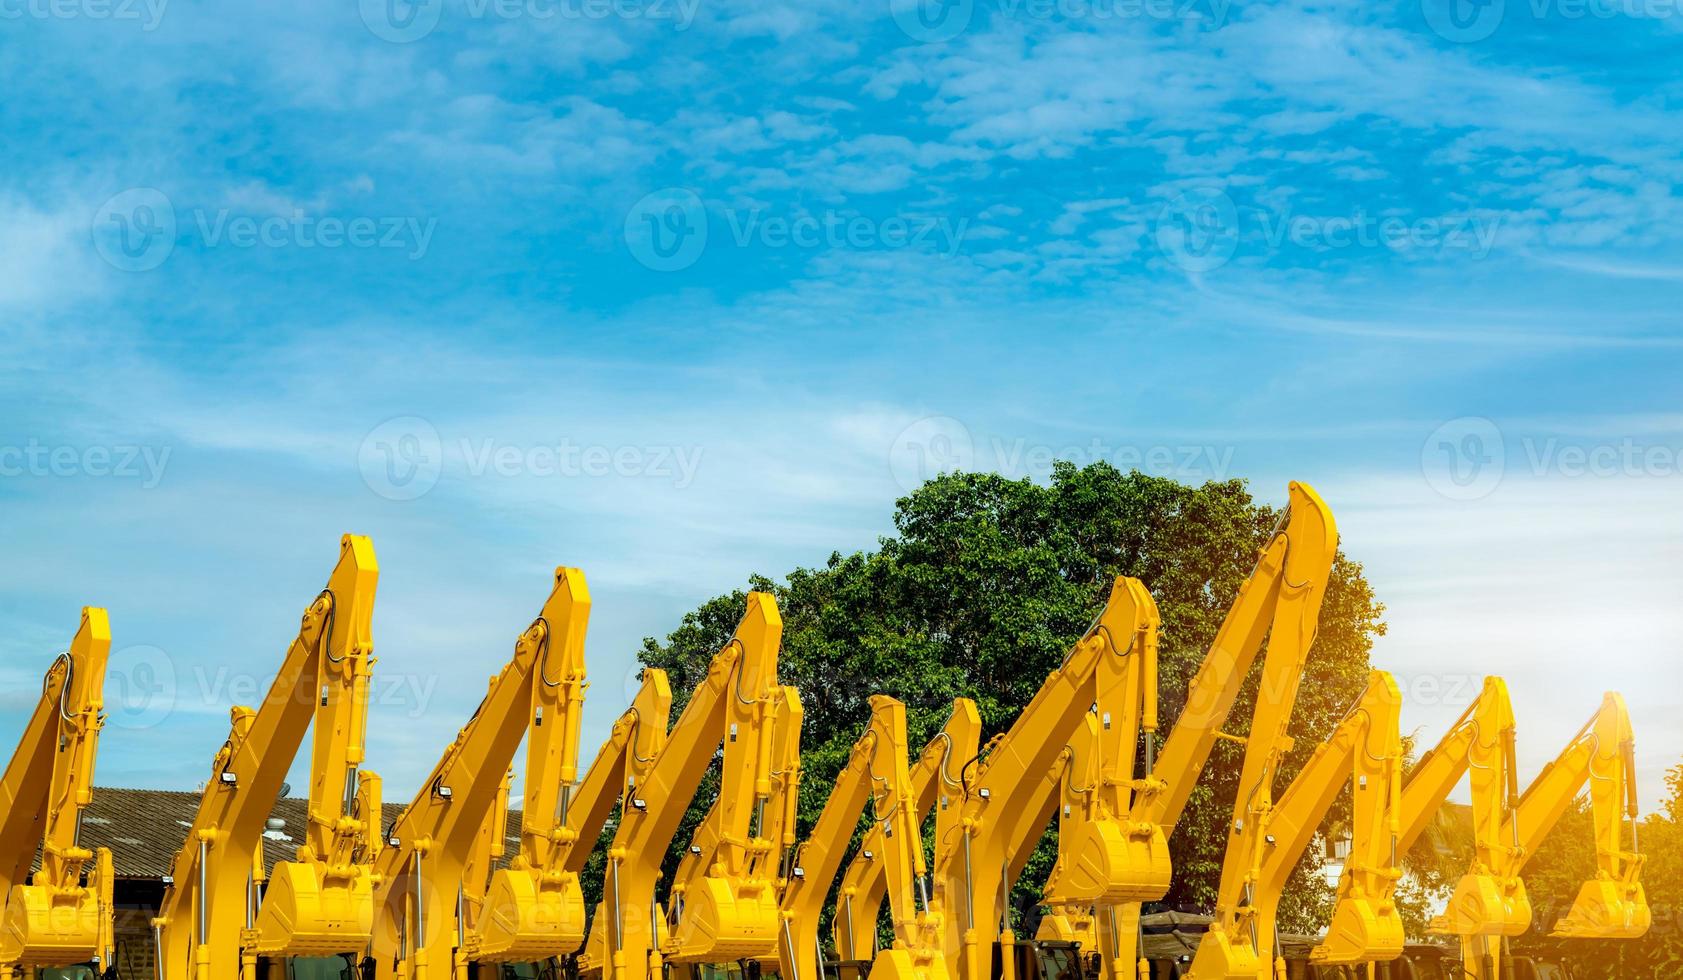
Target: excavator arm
(622, 765)
(731, 912)
(996, 828)
(1279, 603)
(877, 773)
(421, 887)
(1612, 905)
(777, 829)
(1480, 745)
(209, 910)
(534, 909)
(1268, 841)
(321, 903)
(57, 919)
(935, 786)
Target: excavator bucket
(1486, 905)
(51, 927)
(725, 923)
(1116, 862)
(316, 920)
(1362, 929)
(526, 922)
(1607, 910)
(1219, 958)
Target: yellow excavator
(1277, 605)
(1613, 904)
(1479, 746)
(878, 774)
(1267, 840)
(731, 911)
(998, 823)
(1073, 927)
(57, 919)
(777, 828)
(633, 743)
(432, 920)
(218, 921)
(935, 787)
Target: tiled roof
(144, 828)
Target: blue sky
(681, 290)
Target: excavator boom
(1613, 904)
(877, 773)
(996, 828)
(1279, 603)
(205, 927)
(422, 897)
(1267, 841)
(935, 786)
(56, 919)
(731, 912)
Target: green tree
(981, 591)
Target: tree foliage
(985, 586)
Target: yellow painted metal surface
(1613, 904)
(207, 928)
(1364, 751)
(57, 919)
(430, 920)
